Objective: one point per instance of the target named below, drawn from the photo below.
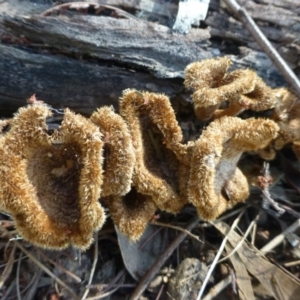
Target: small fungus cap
(213, 85)
(215, 183)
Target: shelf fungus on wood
(50, 184)
(215, 183)
(118, 154)
(156, 138)
(213, 86)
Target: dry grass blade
(8, 268)
(34, 284)
(46, 270)
(8, 290)
(242, 276)
(101, 296)
(239, 243)
(18, 277)
(40, 265)
(177, 228)
(280, 238)
(214, 291)
(93, 267)
(208, 275)
(279, 284)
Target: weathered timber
(84, 61)
(66, 82)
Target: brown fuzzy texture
(290, 129)
(157, 140)
(215, 182)
(119, 156)
(206, 74)
(287, 113)
(4, 124)
(243, 89)
(51, 184)
(267, 153)
(285, 102)
(131, 213)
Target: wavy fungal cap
(156, 138)
(119, 155)
(243, 89)
(215, 183)
(131, 213)
(207, 73)
(51, 184)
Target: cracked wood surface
(84, 61)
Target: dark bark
(84, 61)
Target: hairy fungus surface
(119, 156)
(157, 140)
(243, 89)
(215, 182)
(131, 213)
(285, 102)
(51, 183)
(287, 113)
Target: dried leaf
(278, 283)
(140, 256)
(242, 276)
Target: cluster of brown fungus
(55, 183)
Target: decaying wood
(84, 61)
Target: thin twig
(280, 238)
(8, 290)
(101, 296)
(160, 292)
(292, 263)
(214, 291)
(8, 268)
(58, 266)
(215, 261)
(265, 44)
(226, 216)
(18, 277)
(263, 182)
(93, 267)
(46, 270)
(34, 284)
(177, 228)
(161, 260)
(239, 244)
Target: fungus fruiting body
(53, 181)
(215, 183)
(131, 213)
(243, 89)
(288, 114)
(156, 138)
(50, 184)
(118, 154)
